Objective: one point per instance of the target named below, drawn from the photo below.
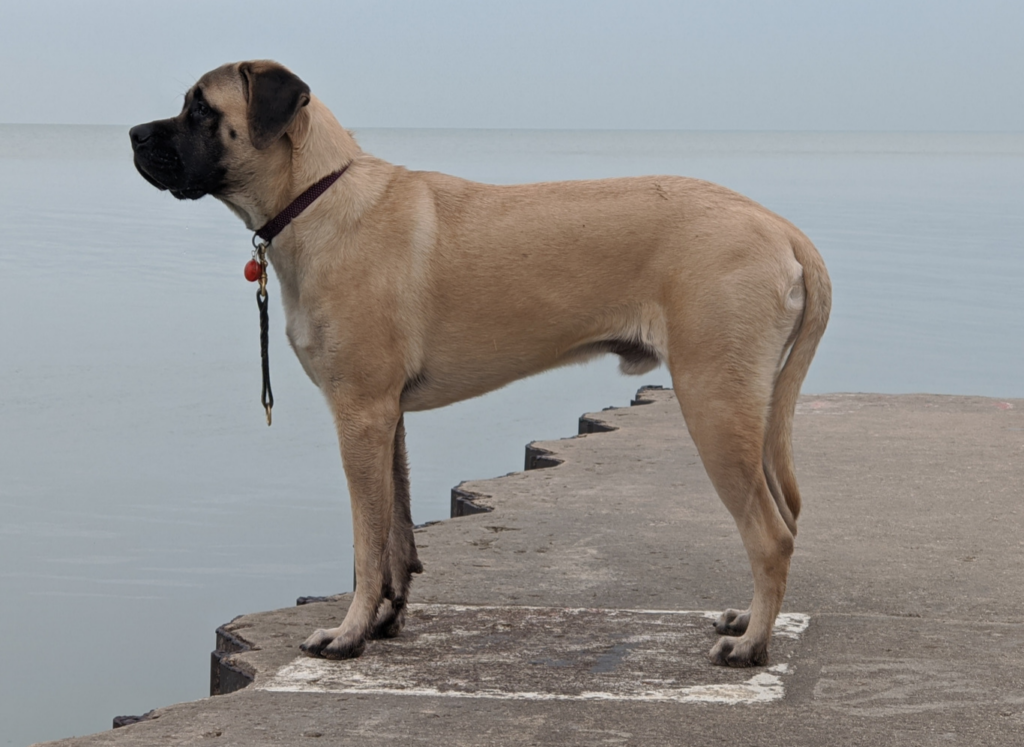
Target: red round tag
(252, 271)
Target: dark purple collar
(275, 225)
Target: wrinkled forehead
(221, 88)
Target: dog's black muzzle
(163, 161)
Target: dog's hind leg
(811, 294)
(723, 378)
(728, 432)
(401, 558)
(367, 436)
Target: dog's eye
(200, 109)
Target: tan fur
(404, 280)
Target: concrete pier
(576, 610)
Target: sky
(912, 65)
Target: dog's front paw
(331, 644)
(739, 652)
(732, 622)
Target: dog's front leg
(401, 554)
(367, 436)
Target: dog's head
(229, 131)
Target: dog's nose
(140, 133)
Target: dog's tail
(778, 444)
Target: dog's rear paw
(737, 652)
(732, 622)
(330, 644)
(390, 619)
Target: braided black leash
(264, 333)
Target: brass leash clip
(260, 255)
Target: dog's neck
(314, 146)
(320, 146)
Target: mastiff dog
(408, 290)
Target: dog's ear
(274, 96)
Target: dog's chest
(304, 335)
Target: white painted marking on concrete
(791, 624)
(305, 675)
(546, 654)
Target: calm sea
(143, 501)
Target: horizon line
(736, 131)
